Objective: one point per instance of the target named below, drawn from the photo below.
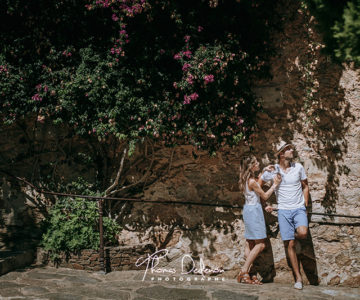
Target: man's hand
(305, 188)
(269, 209)
(277, 179)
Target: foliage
(339, 21)
(72, 224)
(176, 71)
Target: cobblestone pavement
(52, 283)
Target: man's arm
(305, 188)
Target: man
(292, 196)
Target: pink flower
(46, 88)
(187, 53)
(175, 85)
(122, 32)
(3, 69)
(40, 118)
(177, 56)
(162, 51)
(187, 99)
(200, 28)
(209, 78)
(240, 122)
(185, 67)
(187, 38)
(36, 97)
(189, 79)
(194, 96)
(114, 18)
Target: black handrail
(100, 200)
(96, 198)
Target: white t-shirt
(289, 193)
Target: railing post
(101, 250)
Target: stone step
(12, 260)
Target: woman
(255, 230)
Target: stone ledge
(12, 260)
(116, 258)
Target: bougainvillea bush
(175, 71)
(115, 72)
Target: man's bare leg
(301, 232)
(293, 259)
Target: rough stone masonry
(321, 117)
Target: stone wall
(327, 141)
(115, 258)
(326, 135)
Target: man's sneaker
(298, 285)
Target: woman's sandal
(256, 280)
(244, 278)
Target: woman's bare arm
(253, 185)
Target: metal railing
(100, 201)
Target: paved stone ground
(61, 283)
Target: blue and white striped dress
(253, 216)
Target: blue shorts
(289, 220)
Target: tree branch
(109, 189)
(141, 179)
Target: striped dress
(253, 216)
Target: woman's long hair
(246, 164)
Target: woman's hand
(269, 209)
(269, 168)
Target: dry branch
(115, 183)
(141, 179)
